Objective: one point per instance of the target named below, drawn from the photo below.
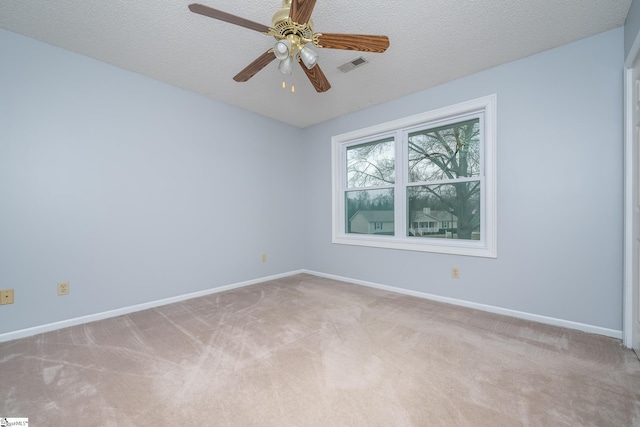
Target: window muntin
(443, 186)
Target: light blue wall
(560, 147)
(131, 189)
(135, 191)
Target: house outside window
(425, 183)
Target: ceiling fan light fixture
(309, 57)
(293, 23)
(286, 65)
(282, 49)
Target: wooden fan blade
(227, 17)
(300, 11)
(359, 42)
(317, 78)
(257, 65)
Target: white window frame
(486, 107)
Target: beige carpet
(307, 351)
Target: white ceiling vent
(354, 63)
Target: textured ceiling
(431, 42)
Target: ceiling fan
(292, 28)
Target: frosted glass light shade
(309, 57)
(286, 65)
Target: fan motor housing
(284, 27)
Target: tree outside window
(443, 171)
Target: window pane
(371, 164)
(370, 211)
(447, 152)
(449, 211)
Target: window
(424, 183)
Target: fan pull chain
(284, 84)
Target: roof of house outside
(374, 216)
(437, 215)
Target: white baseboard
(22, 333)
(484, 307)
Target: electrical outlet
(6, 296)
(63, 288)
(264, 257)
(455, 273)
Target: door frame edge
(627, 272)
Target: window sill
(441, 246)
